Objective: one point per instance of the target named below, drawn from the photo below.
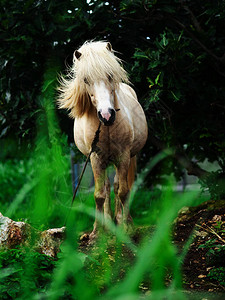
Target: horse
(97, 91)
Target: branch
(191, 167)
(193, 17)
(217, 58)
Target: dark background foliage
(173, 51)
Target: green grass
(39, 191)
(116, 268)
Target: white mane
(96, 62)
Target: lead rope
(93, 149)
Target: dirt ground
(205, 260)
(204, 265)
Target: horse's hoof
(129, 228)
(84, 237)
(93, 236)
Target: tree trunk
(191, 167)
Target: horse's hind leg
(118, 205)
(107, 203)
(122, 190)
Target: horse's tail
(131, 172)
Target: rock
(50, 241)
(14, 234)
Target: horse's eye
(110, 78)
(86, 81)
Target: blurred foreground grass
(118, 266)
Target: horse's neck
(117, 99)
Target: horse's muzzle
(107, 118)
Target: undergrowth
(24, 272)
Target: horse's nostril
(112, 113)
(99, 114)
(107, 117)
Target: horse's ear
(109, 46)
(77, 54)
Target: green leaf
(46, 85)
(176, 97)
(157, 78)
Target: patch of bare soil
(204, 265)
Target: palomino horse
(96, 90)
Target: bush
(24, 272)
(13, 174)
(218, 274)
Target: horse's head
(97, 73)
(102, 96)
(96, 64)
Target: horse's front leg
(100, 192)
